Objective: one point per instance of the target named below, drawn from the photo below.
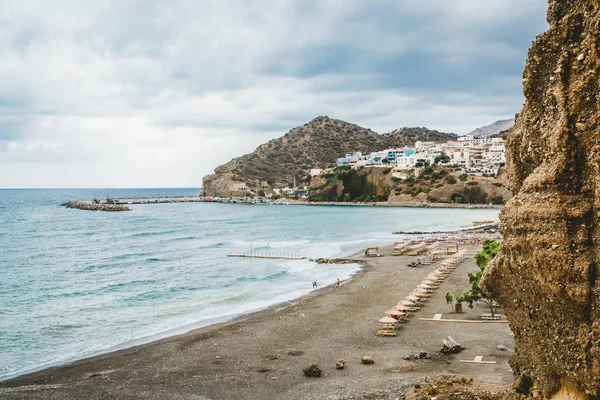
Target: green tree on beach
(482, 258)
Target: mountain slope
(316, 144)
(492, 129)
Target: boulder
(312, 370)
(367, 360)
(450, 346)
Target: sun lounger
(385, 332)
(490, 318)
(372, 252)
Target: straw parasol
(387, 320)
(412, 297)
(402, 307)
(407, 303)
(393, 311)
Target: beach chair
(489, 317)
(372, 252)
(385, 332)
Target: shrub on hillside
(457, 198)
(474, 195)
(450, 180)
(463, 177)
(497, 200)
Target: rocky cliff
(316, 144)
(493, 129)
(439, 184)
(546, 274)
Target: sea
(77, 283)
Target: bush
(497, 200)
(450, 180)
(457, 198)
(474, 195)
(395, 179)
(431, 199)
(498, 184)
(463, 177)
(472, 183)
(442, 172)
(387, 170)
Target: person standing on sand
(314, 284)
(338, 283)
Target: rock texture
(546, 273)
(90, 206)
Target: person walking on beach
(314, 284)
(338, 283)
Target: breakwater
(92, 206)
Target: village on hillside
(474, 155)
(480, 158)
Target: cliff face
(546, 274)
(317, 143)
(436, 184)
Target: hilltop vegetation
(317, 143)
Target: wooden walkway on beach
(267, 255)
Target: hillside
(437, 184)
(493, 129)
(316, 144)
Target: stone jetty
(91, 206)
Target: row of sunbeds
(413, 302)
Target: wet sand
(261, 356)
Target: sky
(156, 93)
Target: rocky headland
(281, 162)
(546, 274)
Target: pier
(281, 256)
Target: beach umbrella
(407, 303)
(412, 297)
(387, 320)
(395, 312)
(402, 307)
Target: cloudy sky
(157, 93)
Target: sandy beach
(261, 356)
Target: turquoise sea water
(75, 283)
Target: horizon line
(99, 188)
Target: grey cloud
(159, 78)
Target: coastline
(415, 204)
(221, 360)
(120, 204)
